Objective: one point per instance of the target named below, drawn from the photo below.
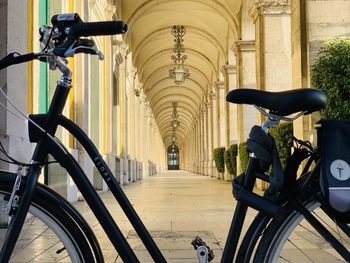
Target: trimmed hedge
(243, 155)
(331, 74)
(230, 159)
(219, 159)
(283, 136)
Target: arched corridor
(133, 104)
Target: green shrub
(219, 159)
(243, 155)
(227, 160)
(283, 136)
(331, 74)
(230, 159)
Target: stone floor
(176, 206)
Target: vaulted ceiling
(211, 27)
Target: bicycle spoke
(300, 250)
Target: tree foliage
(331, 74)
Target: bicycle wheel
(48, 234)
(293, 239)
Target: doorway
(173, 157)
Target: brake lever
(82, 49)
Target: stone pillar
(246, 114)
(229, 72)
(300, 60)
(220, 112)
(197, 139)
(210, 135)
(206, 138)
(194, 149)
(122, 118)
(131, 124)
(273, 46)
(137, 120)
(14, 80)
(245, 54)
(214, 130)
(202, 122)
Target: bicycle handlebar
(99, 28)
(69, 28)
(88, 29)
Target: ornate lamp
(179, 73)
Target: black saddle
(281, 103)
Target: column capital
(119, 58)
(243, 46)
(120, 49)
(137, 92)
(111, 6)
(212, 95)
(203, 107)
(228, 69)
(133, 72)
(137, 85)
(219, 84)
(270, 8)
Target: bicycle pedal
(198, 243)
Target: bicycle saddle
(281, 103)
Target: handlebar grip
(99, 28)
(13, 58)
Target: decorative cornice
(120, 49)
(133, 73)
(219, 84)
(228, 69)
(244, 46)
(119, 58)
(203, 107)
(137, 92)
(110, 8)
(270, 8)
(212, 95)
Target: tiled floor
(176, 206)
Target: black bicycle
(287, 203)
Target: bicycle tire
(251, 238)
(49, 234)
(282, 237)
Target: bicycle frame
(45, 146)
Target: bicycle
(279, 209)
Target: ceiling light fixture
(174, 123)
(179, 73)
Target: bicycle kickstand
(204, 253)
